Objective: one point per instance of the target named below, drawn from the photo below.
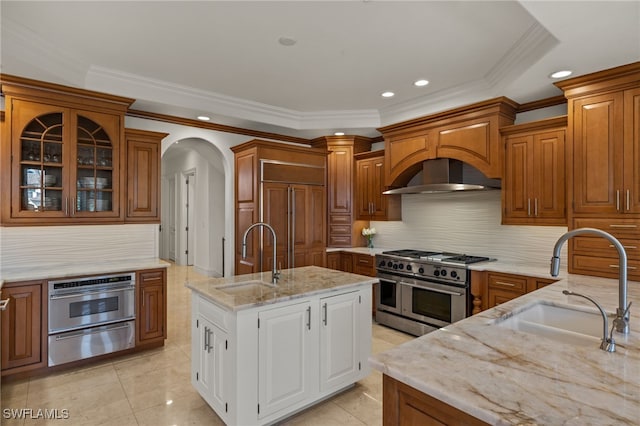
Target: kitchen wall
(469, 223)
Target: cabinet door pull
(617, 199)
(528, 206)
(66, 206)
(614, 225)
(309, 318)
(618, 267)
(628, 200)
(505, 283)
(626, 247)
(324, 308)
(535, 207)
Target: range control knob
(389, 264)
(454, 274)
(395, 266)
(436, 272)
(383, 263)
(421, 270)
(443, 272)
(400, 266)
(409, 267)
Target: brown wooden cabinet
(604, 177)
(143, 175)
(283, 185)
(364, 264)
(534, 184)
(341, 209)
(63, 162)
(404, 405)
(371, 204)
(490, 288)
(151, 315)
(24, 334)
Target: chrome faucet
(275, 274)
(607, 344)
(621, 323)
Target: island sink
(567, 324)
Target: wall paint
(468, 223)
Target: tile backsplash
(466, 222)
(43, 246)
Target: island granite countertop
(293, 283)
(507, 377)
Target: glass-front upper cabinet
(65, 162)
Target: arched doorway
(193, 206)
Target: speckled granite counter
(78, 269)
(293, 283)
(507, 377)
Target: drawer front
(508, 282)
(363, 264)
(602, 247)
(340, 229)
(340, 219)
(603, 266)
(619, 228)
(340, 240)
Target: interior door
(171, 218)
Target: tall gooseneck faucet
(275, 274)
(621, 322)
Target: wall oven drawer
(80, 306)
(89, 342)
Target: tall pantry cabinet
(604, 168)
(284, 186)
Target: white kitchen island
(261, 352)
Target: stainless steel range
(421, 291)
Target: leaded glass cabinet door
(96, 165)
(40, 161)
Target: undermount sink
(567, 324)
(246, 287)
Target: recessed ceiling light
(338, 134)
(388, 94)
(561, 74)
(420, 83)
(287, 41)
(204, 118)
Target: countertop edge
(80, 269)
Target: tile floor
(153, 387)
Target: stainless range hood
(447, 175)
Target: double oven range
(421, 291)
(91, 316)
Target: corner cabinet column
(143, 175)
(341, 207)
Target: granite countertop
(507, 377)
(75, 269)
(293, 283)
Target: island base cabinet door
(288, 353)
(208, 364)
(340, 358)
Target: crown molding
(153, 90)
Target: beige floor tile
(188, 410)
(326, 414)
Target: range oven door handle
(92, 293)
(435, 290)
